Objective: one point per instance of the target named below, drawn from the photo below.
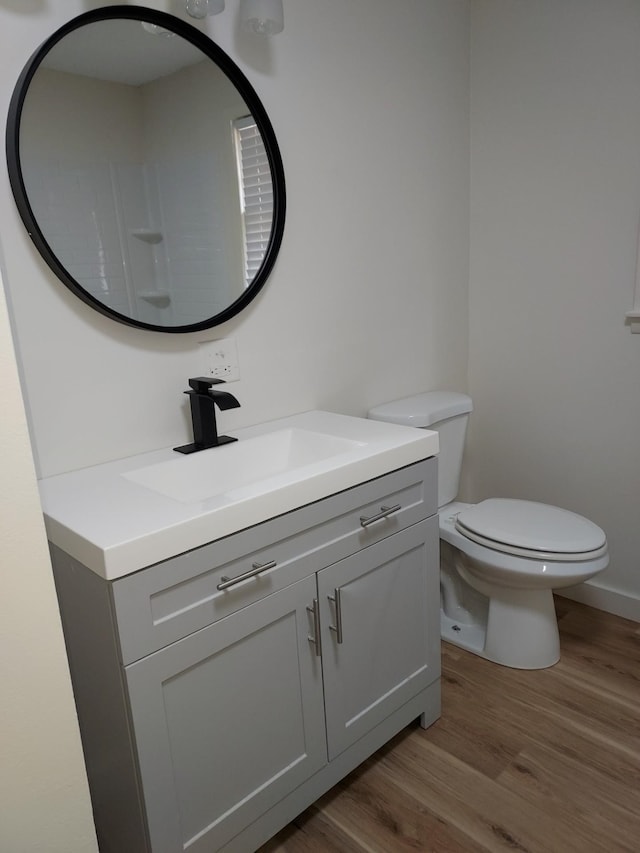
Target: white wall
(44, 797)
(368, 299)
(555, 204)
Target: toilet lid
(531, 526)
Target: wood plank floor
(545, 761)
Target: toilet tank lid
(423, 410)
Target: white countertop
(115, 525)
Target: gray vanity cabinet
(211, 715)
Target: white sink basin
(124, 515)
(236, 469)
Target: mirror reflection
(147, 174)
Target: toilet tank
(446, 412)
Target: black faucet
(204, 399)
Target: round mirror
(146, 170)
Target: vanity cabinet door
(228, 721)
(381, 631)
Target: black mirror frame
(246, 90)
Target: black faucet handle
(201, 384)
(203, 401)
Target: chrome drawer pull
(385, 512)
(337, 601)
(256, 568)
(315, 639)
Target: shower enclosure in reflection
(148, 213)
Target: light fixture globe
(202, 8)
(263, 17)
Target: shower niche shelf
(158, 298)
(147, 235)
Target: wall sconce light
(202, 8)
(264, 17)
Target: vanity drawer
(165, 602)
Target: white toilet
(501, 558)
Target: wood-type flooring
(544, 761)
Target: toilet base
(521, 630)
(469, 637)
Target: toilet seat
(534, 530)
(529, 571)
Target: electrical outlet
(220, 359)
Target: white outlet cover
(220, 359)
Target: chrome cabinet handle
(337, 601)
(255, 569)
(315, 639)
(385, 512)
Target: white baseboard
(610, 600)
